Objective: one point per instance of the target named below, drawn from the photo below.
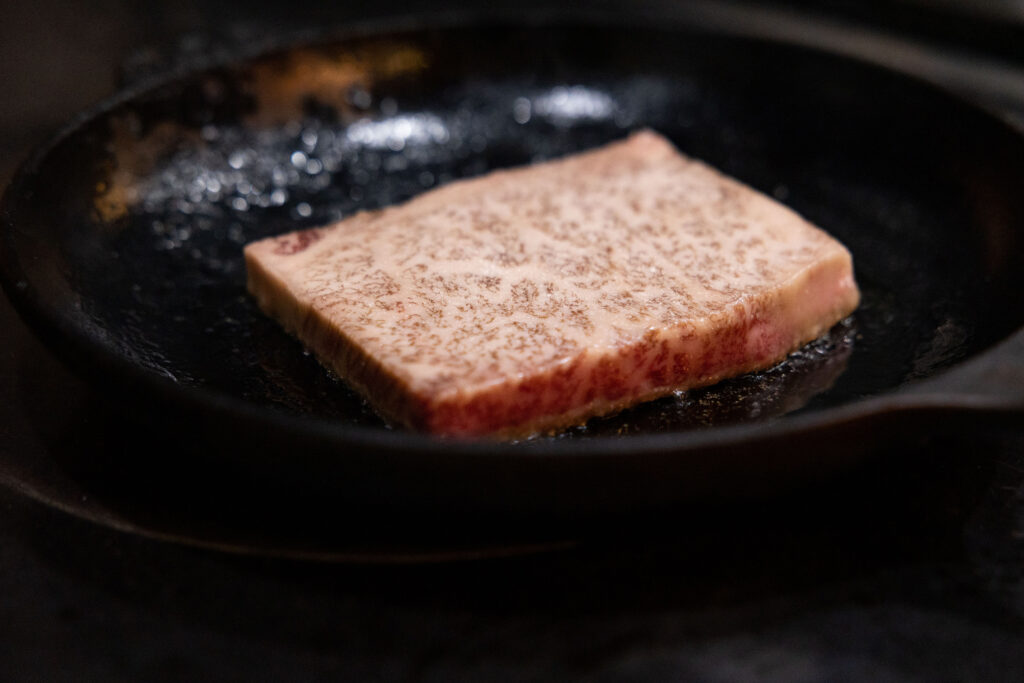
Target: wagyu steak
(532, 299)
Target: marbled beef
(532, 299)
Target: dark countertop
(909, 569)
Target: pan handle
(992, 382)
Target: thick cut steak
(534, 298)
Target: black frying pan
(122, 247)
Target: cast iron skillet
(122, 247)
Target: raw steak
(531, 299)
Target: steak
(531, 299)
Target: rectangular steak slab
(531, 299)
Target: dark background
(910, 570)
(58, 56)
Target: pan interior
(131, 229)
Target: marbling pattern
(617, 275)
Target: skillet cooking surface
(123, 240)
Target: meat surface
(532, 299)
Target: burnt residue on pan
(160, 193)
